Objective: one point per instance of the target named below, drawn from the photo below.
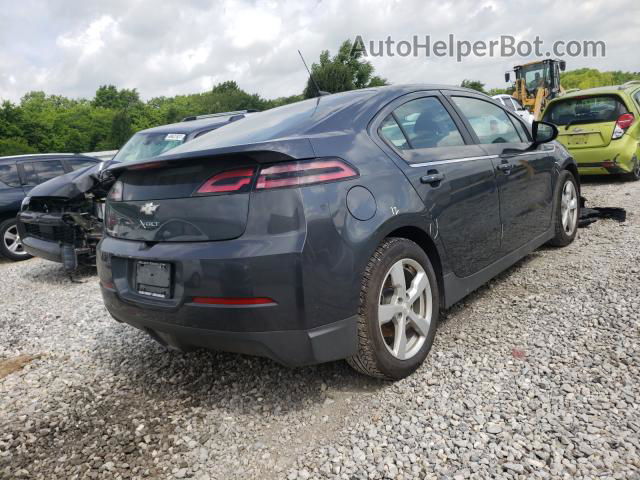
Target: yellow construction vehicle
(537, 83)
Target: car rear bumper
(306, 323)
(616, 158)
(333, 341)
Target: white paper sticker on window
(174, 136)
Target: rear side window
(40, 172)
(489, 122)
(637, 97)
(594, 109)
(78, 163)
(390, 130)
(9, 175)
(424, 123)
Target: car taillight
(622, 124)
(304, 172)
(231, 181)
(115, 194)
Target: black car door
(453, 176)
(524, 176)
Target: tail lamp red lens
(625, 120)
(233, 301)
(231, 181)
(308, 172)
(286, 174)
(622, 125)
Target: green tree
(345, 71)
(590, 77)
(15, 146)
(474, 85)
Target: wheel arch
(426, 243)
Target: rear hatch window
(164, 204)
(148, 144)
(586, 121)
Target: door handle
(505, 167)
(432, 178)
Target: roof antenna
(315, 84)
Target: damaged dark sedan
(62, 220)
(333, 228)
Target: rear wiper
(575, 121)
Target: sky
(71, 47)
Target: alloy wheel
(405, 308)
(569, 207)
(12, 241)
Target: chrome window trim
(483, 157)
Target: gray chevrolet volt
(333, 228)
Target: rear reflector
(304, 173)
(231, 181)
(233, 301)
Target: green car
(601, 128)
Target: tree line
(41, 123)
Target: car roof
(44, 156)
(344, 111)
(607, 90)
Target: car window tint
(517, 104)
(390, 130)
(637, 97)
(47, 170)
(77, 163)
(509, 104)
(489, 122)
(9, 175)
(427, 124)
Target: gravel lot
(534, 375)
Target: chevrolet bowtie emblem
(149, 208)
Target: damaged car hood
(72, 184)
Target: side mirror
(543, 132)
(507, 77)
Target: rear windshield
(597, 109)
(146, 145)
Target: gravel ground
(534, 375)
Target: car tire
(634, 175)
(10, 246)
(399, 293)
(566, 202)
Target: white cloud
(71, 47)
(91, 40)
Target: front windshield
(146, 145)
(534, 75)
